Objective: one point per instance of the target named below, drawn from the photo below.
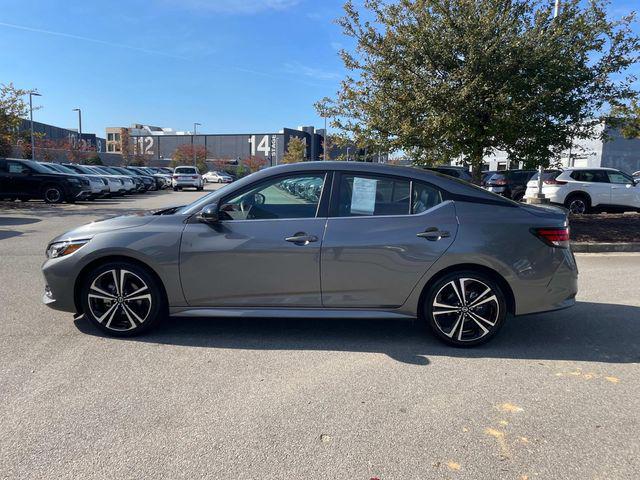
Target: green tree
(183, 155)
(296, 151)
(94, 159)
(12, 109)
(467, 77)
(627, 119)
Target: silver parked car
(378, 241)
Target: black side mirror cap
(209, 214)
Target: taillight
(553, 181)
(195, 177)
(553, 236)
(500, 181)
(176, 176)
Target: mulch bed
(605, 227)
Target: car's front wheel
(465, 308)
(53, 194)
(122, 299)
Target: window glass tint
(424, 197)
(619, 177)
(370, 195)
(596, 176)
(189, 170)
(295, 196)
(546, 175)
(16, 167)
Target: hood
(107, 225)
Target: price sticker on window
(363, 196)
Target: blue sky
(232, 65)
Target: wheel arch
(491, 273)
(578, 193)
(77, 287)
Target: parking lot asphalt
(555, 395)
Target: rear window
(546, 175)
(189, 170)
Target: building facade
(159, 144)
(614, 151)
(59, 134)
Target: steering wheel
(250, 200)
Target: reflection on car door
(375, 258)
(265, 250)
(624, 191)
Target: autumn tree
(296, 151)
(183, 155)
(253, 163)
(125, 146)
(468, 77)
(12, 109)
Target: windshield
(38, 167)
(62, 169)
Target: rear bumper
(558, 293)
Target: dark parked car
(455, 172)
(26, 180)
(509, 183)
(379, 241)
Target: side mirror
(209, 214)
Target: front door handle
(433, 234)
(301, 238)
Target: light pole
(193, 144)
(79, 127)
(33, 144)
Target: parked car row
(579, 189)
(308, 189)
(57, 183)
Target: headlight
(60, 249)
(74, 181)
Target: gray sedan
(378, 241)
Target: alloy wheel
(466, 309)
(52, 195)
(119, 300)
(577, 206)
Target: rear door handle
(433, 234)
(301, 238)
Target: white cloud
(234, 6)
(312, 72)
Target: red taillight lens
(195, 177)
(499, 181)
(176, 176)
(553, 181)
(553, 236)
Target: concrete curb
(593, 247)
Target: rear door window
(364, 195)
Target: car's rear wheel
(578, 204)
(53, 194)
(465, 308)
(122, 299)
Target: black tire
(464, 325)
(175, 189)
(107, 307)
(200, 189)
(578, 203)
(53, 194)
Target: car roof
(567, 169)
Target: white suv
(186, 177)
(584, 189)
